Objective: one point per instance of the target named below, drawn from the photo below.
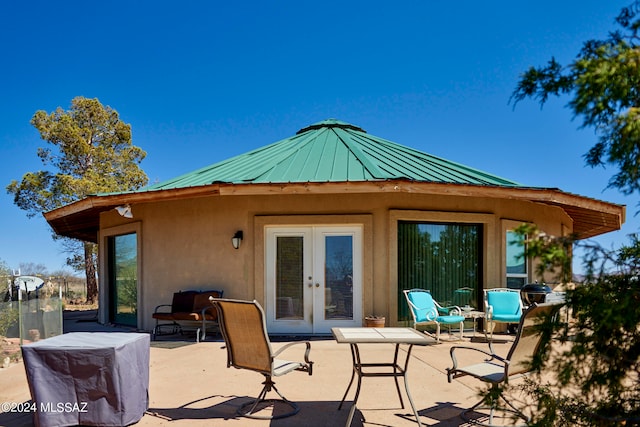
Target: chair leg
(204, 330)
(492, 326)
(465, 415)
(255, 404)
(160, 328)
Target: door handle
(317, 285)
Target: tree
(596, 368)
(5, 277)
(90, 152)
(32, 269)
(603, 84)
(8, 314)
(595, 361)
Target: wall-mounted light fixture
(125, 211)
(237, 239)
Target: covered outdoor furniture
(496, 370)
(501, 305)
(426, 311)
(88, 378)
(243, 328)
(186, 307)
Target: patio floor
(190, 385)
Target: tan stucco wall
(186, 244)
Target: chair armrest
(453, 372)
(453, 349)
(306, 353)
(205, 309)
(491, 355)
(452, 309)
(162, 305)
(430, 315)
(488, 313)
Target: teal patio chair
(426, 311)
(501, 305)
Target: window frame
(508, 225)
(443, 226)
(516, 276)
(104, 294)
(490, 245)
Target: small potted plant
(374, 321)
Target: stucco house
(330, 225)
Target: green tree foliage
(603, 84)
(552, 254)
(8, 314)
(592, 378)
(89, 152)
(4, 271)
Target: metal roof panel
(333, 151)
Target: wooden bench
(186, 307)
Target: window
(289, 277)
(444, 258)
(516, 262)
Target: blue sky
(200, 81)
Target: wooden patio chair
(243, 328)
(497, 370)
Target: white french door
(313, 278)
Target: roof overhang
(591, 217)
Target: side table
(397, 336)
(474, 315)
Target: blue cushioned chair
(501, 305)
(426, 311)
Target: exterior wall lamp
(237, 239)
(124, 211)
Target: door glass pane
(289, 277)
(442, 258)
(125, 279)
(338, 275)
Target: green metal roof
(333, 151)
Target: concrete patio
(190, 385)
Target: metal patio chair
(497, 370)
(426, 311)
(243, 328)
(501, 305)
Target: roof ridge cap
(330, 123)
